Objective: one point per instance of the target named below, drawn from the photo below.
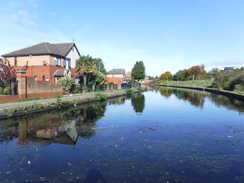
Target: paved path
(80, 97)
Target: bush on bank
(232, 80)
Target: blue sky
(166, 35)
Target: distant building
(116, 76)
(46, 61)
(227, 69)
(128, 77)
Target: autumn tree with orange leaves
(166, 75)
(197, 71)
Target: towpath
(76, 97)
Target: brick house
(116, 76)
(46, 61)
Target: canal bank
(17, 109)
(220, 92)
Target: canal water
(162, 135)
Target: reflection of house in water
(60, 127)
(119, 101)
(63, 134)
(48, 131)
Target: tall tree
(138, 71)
(98, 77)
(197, 71)
(186, 74)
(179, 76)
(85, 65)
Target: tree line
(232, 80)
(92, 74)
(193, 73)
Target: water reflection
(138, 103)
(108, 142)
(62, 127)
(229, 103)
(197, 98)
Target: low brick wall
(6, 98)
(29, 88)
(34, 87)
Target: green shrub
(100, 96)
(140, 89)
(230, 80)
(129, 92)
(77, 88)
(239, 87)
(1, 90)
(66, 81)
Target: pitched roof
(116, 71)
(58, 73)
(43, 48)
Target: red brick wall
(115, 80)
(48, 71)
(32, 95)
(8, 98)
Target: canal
(162, 135)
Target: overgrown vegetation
(129, 92)
(224, 80)
(100, 96)
(232, 81)
(58, 98)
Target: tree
(91, 70)
(98, 77)
(85, 65)
(166, 76)
(179, 76)
(214, 72)
(186, 74)
(138, 71)
(197, 71)
(8, 73)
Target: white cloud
(23, 17)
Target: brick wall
(29, 88)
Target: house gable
(44, 59)
(115, 76)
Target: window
(58, 61)
(43, 77)
(67, 63)
(15, 61)
(35, 76)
